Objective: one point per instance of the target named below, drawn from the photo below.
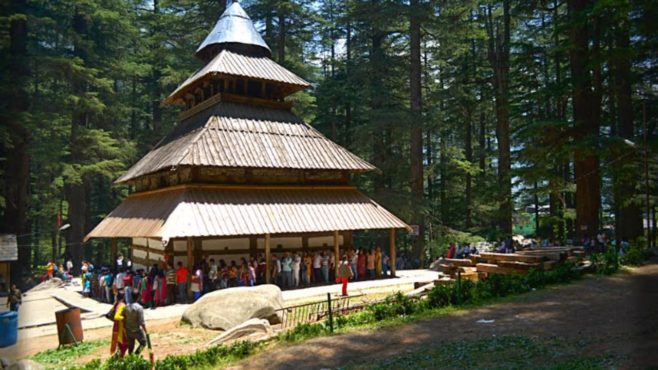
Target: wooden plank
(459, 262)
(495, 269)
(509, 257)
(519, 265)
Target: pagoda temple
(241, 174)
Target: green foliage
(394, 306)
(635, 255)
(606, 263)
(304, 331)
(63, 355)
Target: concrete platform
(37, 314)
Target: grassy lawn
(508, 352)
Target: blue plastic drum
(8, 328)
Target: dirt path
(618, 315)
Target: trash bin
(69, 326)
(8, 328)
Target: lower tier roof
(223, 210)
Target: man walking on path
(182, 274)
(15, 298)
(135, 325)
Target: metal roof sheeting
(215, 210)
(8, 247)
(236, 135)
(231, 63)
(234, 26)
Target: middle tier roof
(232, 135)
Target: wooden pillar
(190, 254)
(336, 252)
(268, 263)
(391, 246)
(148, 254)
(253, 246)
(113, 251)
(190, 265)
(169, 253)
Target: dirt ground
(167, 338)
(618, 315)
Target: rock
(248, 327)
(227, 308)
(26, 365)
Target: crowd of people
(166, 283)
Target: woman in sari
(145, 291)
(361, 264)
(119, 343)
(161, 295)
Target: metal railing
(307, 313)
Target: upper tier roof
(233, 135)
(233, 27)
(235, 64)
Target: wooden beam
(190, 254)
(391, 246)
(268, 264)
(113, 251)
(336, 252)
(148, 254)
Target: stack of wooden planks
(478, 266)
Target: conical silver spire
(233, 27)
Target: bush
(304, 331)
(636, 255)
(393, 306)
(440, 295)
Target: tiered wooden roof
(236, 119)
(211, 210)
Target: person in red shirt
(181, 282)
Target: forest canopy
(486, 118)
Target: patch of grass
(507, 352)
(63, 356)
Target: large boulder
(226, 308)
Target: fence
(317, 311)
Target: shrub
(440, 295)
(304, 331)
(636, 255)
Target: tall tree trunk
(586, 161)
(499, 54)
(416, 134)
(76, 191)
(482, 147)
(17, 162)
(629, 220)
(468, 151)
(376, 106)
(348, 104)
(281, 40)
(156, 75)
